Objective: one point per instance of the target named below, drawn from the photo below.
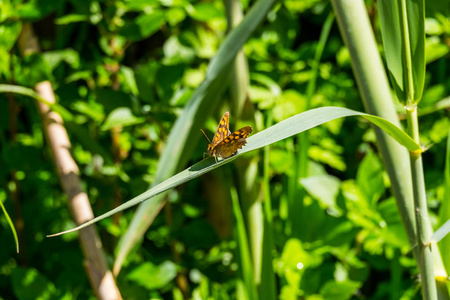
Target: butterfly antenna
(205, 135)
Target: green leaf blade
(395, 49)
(278, 132)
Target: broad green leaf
(395, 35)
(275, 133)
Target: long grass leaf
(287, 128)
(403, 31)
(243, 248)
(11, 225)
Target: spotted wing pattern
(222, 132)
(232, 143)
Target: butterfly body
(225, 143)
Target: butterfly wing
(232, 143)
(222, 132)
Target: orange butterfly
(225, 143)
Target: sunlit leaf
(391, 18)
(282, 130)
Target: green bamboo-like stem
(425, 258)
(424, 232)
(373, 85)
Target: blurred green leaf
(34, 69)
(121, 116)
(154, 277)
(175, 52)
(370, 178)
(72, 18)
(175, 15)
(129, 79)
(341, 290)
(432, 95)
(143, 26)
(4, 63)
(294, 264)
(204, 12)
(6, 10)
(439, 130)
(281, 161)
(53, 59)
(9, 33)
(35, 9)
(295, 257)
(435, 49)
(288, 104)
(29, 284)
(324, 188)
(92, 110)
(328, 157)
(433, 27)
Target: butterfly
(224, 143)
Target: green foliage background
(132, 66)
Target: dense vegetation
(312, 216)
